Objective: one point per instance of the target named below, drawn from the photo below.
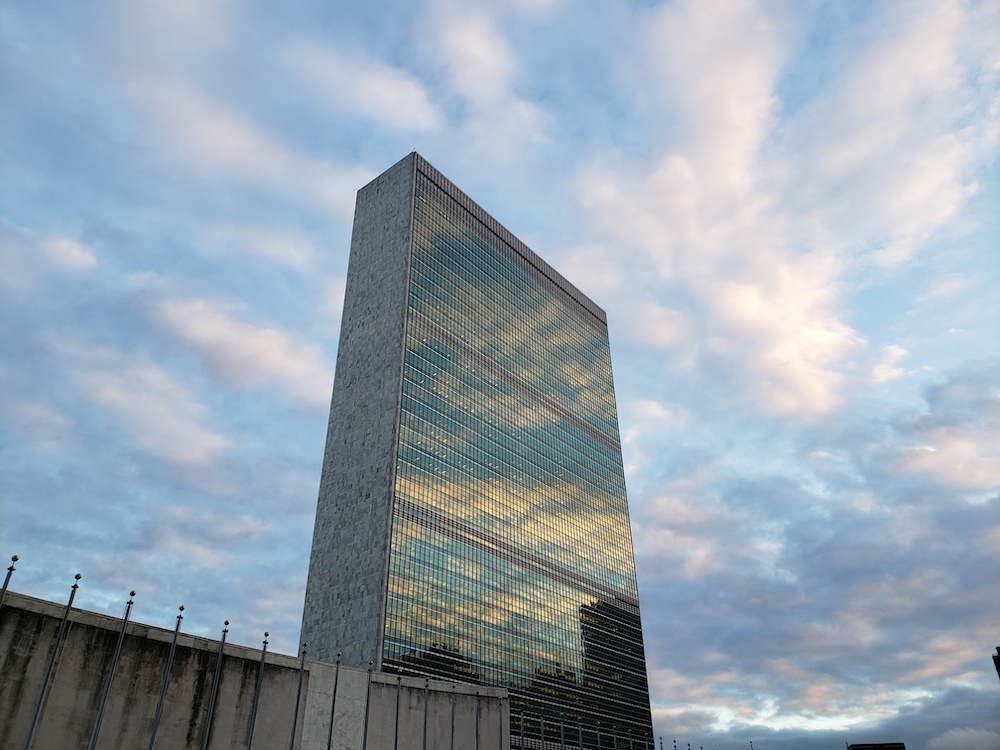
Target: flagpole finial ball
(78, 576)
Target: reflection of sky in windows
(511, 518)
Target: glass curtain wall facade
(509, 557)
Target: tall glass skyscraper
(472, 521)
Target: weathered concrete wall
(28, 629)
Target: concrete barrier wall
(456, 717)
(397, 710)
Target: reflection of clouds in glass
(537, 336)
(578, 542)
(521, 614)
(500, 414)
(511, 550)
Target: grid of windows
(511, 560)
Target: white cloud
(534, 6)
(948, 286)
(215, 139)
(662, 327)
(886, 370)
(965, 739)
(386, 95)
(596, 269)
(761, 241)
(720, 60)
(206, 536)
(693, 557)
(162, 416)
(957, 441)
(208, 21)
(40, 422)
(480, 68)
(210, 134)
(275, 246)
(894, 145)
(685, 530)
(506, 129)
(243, 355)
(27, 256)
(705, 216)
(779, 322)
(70, 254)
(657, 416)
(478, 60)
(850, 629)
(956, 455)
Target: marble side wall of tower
(345, 593)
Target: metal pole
(522, 730)
(426, 699)
(452, 700)
(395, 731)
(368, 700)
(215, 687)
(562, 734)
(333, 705)
(579, 727)
(52, 660)
(298, 697)
(256, 692)
(111, 675)
(10, 572)
(166, 679)
(541, 729)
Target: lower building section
(603, 704)
(571, 657)
(212, 704)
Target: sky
(789, 211)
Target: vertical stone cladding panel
(346, 589)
